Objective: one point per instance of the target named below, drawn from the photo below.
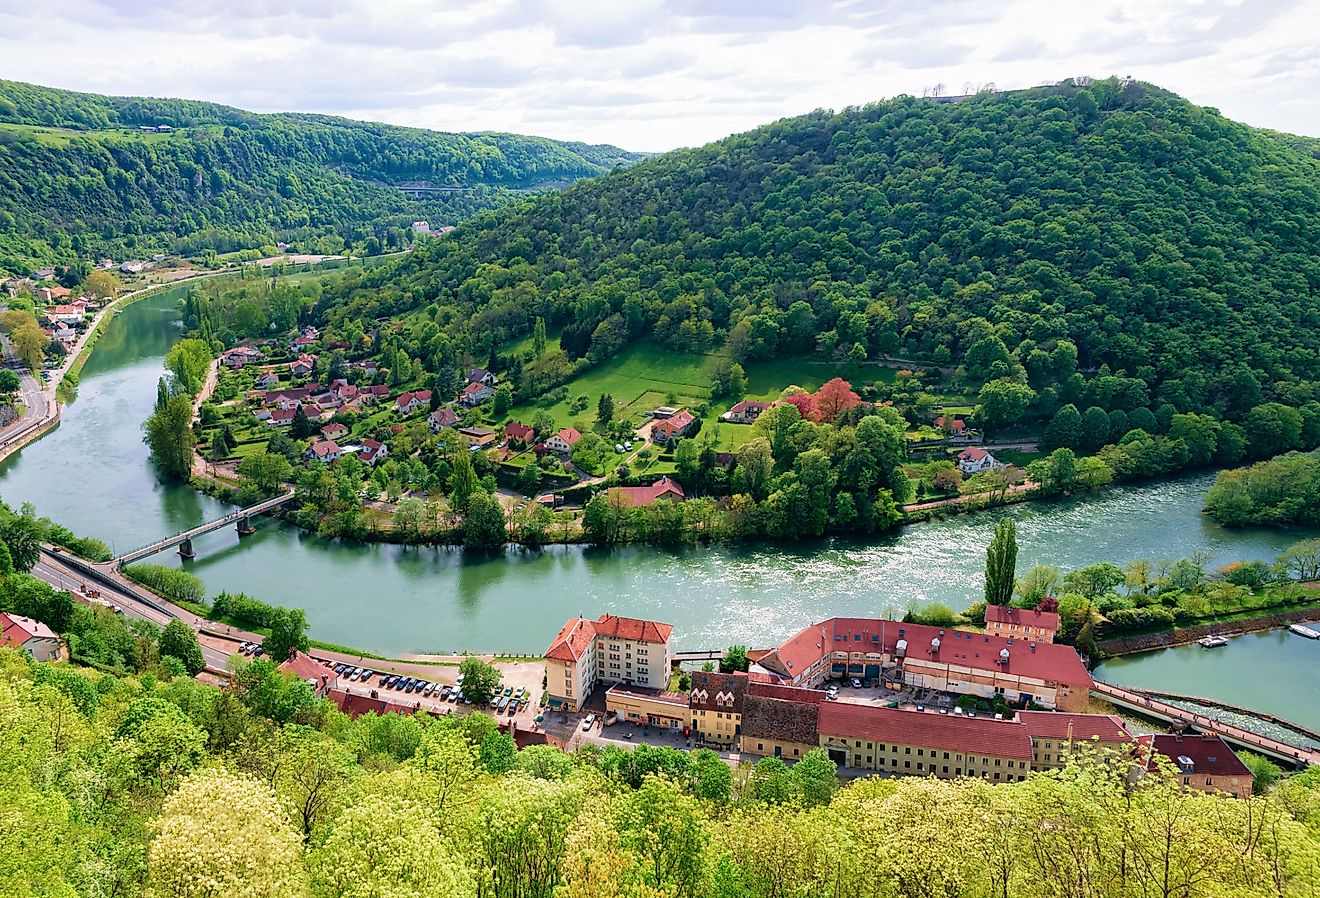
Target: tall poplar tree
(1001, 563)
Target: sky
(656, 74)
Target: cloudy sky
(656, 74)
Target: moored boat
(1302, 630)
(1211, 642)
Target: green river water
(92, 474)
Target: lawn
(60, 137)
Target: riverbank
(1231, 625)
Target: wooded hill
(78, 177)
(1104, 243)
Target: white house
(974, 460)
(441, 418)
(475, 393)
(610, 649)
(564, 441)
(34, 637)
(373, 451)
(324, 450)
(409, 402)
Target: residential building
(1054, 735)
(974, 460)
(957, 661)
(409, 402)
(610, 649)
(956, 426)
(373, 451)
(746, 411)
(268, 379)
(334, 431)
(680, 424)
(715, 706)
(321, 677)
(924, 743)
(441, 418)
(474, 394)
(564, 441)
(324, 450)
(303, 365)
(517, 432)
(782, 721)
(644, 706)
(478, 437)
(239, 356)
(664, 488)
(1202, 761)
(481, 376)
(32, 636)
(1021, 623)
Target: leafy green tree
(538, 337)
(169, 434)
(735, 659)
(480, 680)
(1065, 429)
(288, 633)
(601, 520)
(463, 481)
(21, 535)
(266, 472)
(502, 400)
(484, 525)
(1001, 563)
(816, 777)
(1003, 402)
(9, 382)
(179, 640)
(1273, 428)
(605, 408)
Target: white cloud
(655, 74)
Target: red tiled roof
(444, 416)
(574, 639)
(632, 628)
(355, 705)
(18, 629)
(957, 425)
(1049, 661)
(569, 435)
(973, 454)
(516, 430)
(645, 495)
(1077, 727)
(1004, 614)
(305, 667)
(925, 729)
(325, 447)
(1210, 755)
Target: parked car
(367, 675)
(508, 690)
(339, 668)
(856, 683)
(588, 723)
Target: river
(92, 474)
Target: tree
(538, 337)
(188, 360)
(221, 834)
(502, 401)
(712, 780)
(9, 382)
(301, 427)
(169, 434)
(480, 680)
(1001, 563)
(664, 831)
(816, 777)
(834, 398)
(605, 408)
(388, 846)
(1065, 429)
(179, 640)
(103, 284)
(311, 773)
(484, 526)
(1041, 582)
(266, 472)
(602, 520)
(21, 535)
(735, 659)
(1301, 560)
(1273, 428)
(288, 633)
(1003, 402)
(463, 480)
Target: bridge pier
(245, 527)
(186, 549)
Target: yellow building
(647, 707)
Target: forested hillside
(78, 177)
(1106, 244)
(156, 785)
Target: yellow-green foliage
(136, 787)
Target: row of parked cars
(249, 648)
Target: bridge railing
(202, 529)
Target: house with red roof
(334, 431)
(1022, 623)
(303, 365)
(1055, 735)
(925, 657)
(30, 635)
(974, 460)
(956, 426)
(321, 677)
(373, 451)
(610, 649)
(239, 356)
(564, 441)
(672, 428)
(267, 379)
(475, 393)
(663, 489)
(1201, 761)
(517, 432)
(409, 402)
(441, 418)
(324, 450)
(355, 705)
(746, 411)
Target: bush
(243, 610)
(1128, 620)
(167, 581)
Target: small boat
(1304, 631)
(1211, 642)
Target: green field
(59, 137)
(645, 375)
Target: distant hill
(79, 176)
(1105, 243)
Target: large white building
(610, 649)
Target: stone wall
(1149, 642)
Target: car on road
(856, 683)
(588, 723)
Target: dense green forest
(156, 785)
(78, 178)
(1103, 244)
(1282, 490)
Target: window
(946, 757)
(857, 743)
(907, 765)
(907, 749)
(868, 759)
(946, 768)
(760, 747)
